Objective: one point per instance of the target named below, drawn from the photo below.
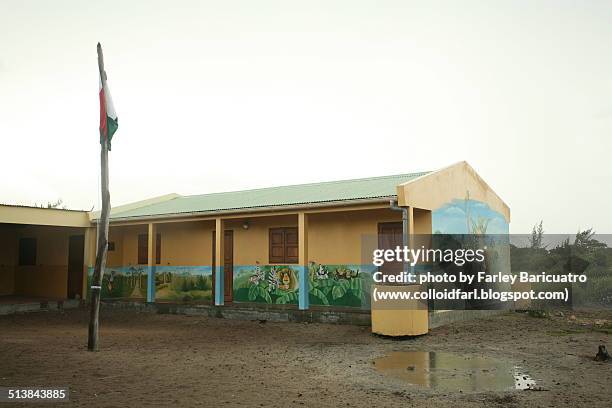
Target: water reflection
(452, 372)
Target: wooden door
(390, 237)
(228, 264)
(76, 261)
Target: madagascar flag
(108, 117)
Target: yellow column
(303, 260)
(219, 260)
(89, 257)
(410, 239)
(152, 238)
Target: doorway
(76, 261)
(390, 237)
(228, 264)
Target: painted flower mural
(339, 285)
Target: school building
(301, 245)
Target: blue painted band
(303, 303)
(150, 284)
(219, 285)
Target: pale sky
(229, 95)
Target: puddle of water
(452, 372)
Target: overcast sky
(228, 95)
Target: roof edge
(501, 204)
(420, 174)
(13, 214)
(94, 215)
(252, 210)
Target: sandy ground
(167, 360)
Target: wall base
(441, 318)
(250, 312)
(24, 307)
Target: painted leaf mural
(339, 285)
(269, 284)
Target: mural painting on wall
(122, 282)
(183, 283)
(339, 285)
(467, 216)
(473, 224)
(266, 284)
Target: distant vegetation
(59, 204)
(585, 255)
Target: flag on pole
(108, 116)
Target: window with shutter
(143, 249)
(27, 251)
(158, 248)
(283, 245)
(291, 245)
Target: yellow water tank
(399, 317)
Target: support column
(303, 301)
(219, 260)
(409, 239)
(89, 258)
(151, 245)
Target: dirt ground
(169, 360)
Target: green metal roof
(301, 194)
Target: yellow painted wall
(186, 243)
(190, 243)
(11, 214)
(8, 259)
(252, 245)
(334, 237)
(182, 243)
(422, 221)
(440, 187)
(128, 244)
(115, 257)
(49, 277)
(7, 280)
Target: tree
(201, 284)
(585, 241)
(537, 233)
(59, 203)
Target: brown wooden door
(76, 261)
(390, 237)
(228, 265)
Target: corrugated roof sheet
(332, 191)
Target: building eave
(238, 212)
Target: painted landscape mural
(472, 224)
(172, 283)
(467, 216)
(329, 285)
(183, 283)
(122, 282)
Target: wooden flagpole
(96, 286)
